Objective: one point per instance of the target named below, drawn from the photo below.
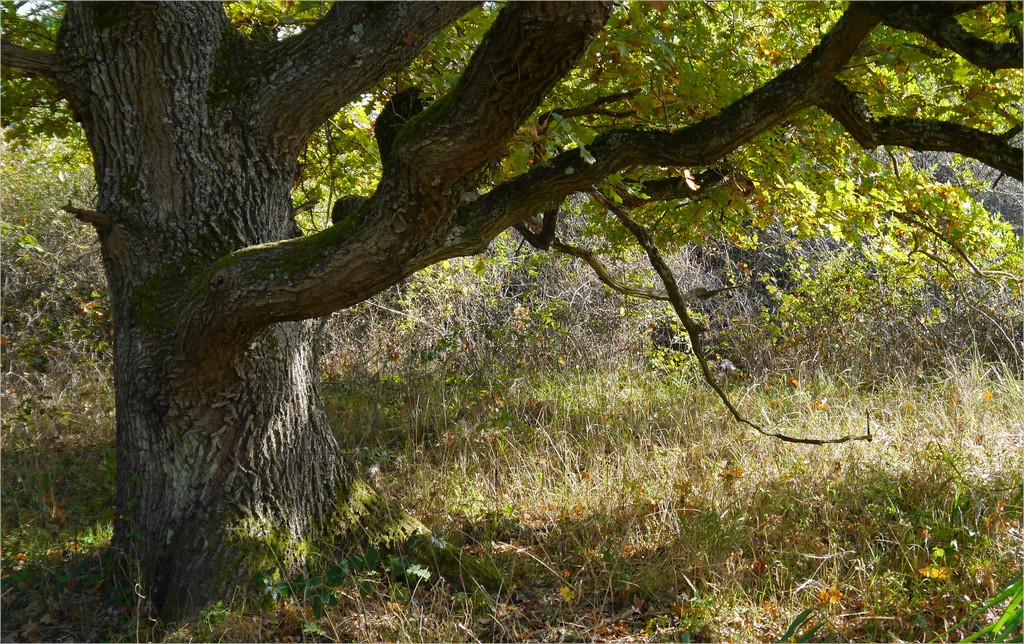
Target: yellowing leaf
(793, 382)
(987, 394)
(830, 596)
(690, 181)
(935, 572)
(819, 405)
(566, 594)
(732, 473)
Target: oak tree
(199, 114)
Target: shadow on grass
(885, 541)
(55, 485)
(70, 595)
(881, 559)
(57, 513)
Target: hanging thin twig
(693, 330)
(547, 239)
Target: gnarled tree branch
(604, 273)
(309, 205)
(527, 50)
(1012, 132)
(669, 188)
(694, 330)
(701, 144)
(407, 224)
(540, 240)
(544, 236)
(28, 61)
(935, 21)
(597, 107)
(547, 238)
(921, 134)
(306, 78)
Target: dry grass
(620, 505)
(608, 486)
(632, 496)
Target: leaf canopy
(665, 66)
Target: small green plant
(1008, 627)
(319, 589)
(215, 614)
(802, 628)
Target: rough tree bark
(225, 463)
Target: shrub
(54, 325)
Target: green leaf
(416, 570)
(796, 624)
(336, 574)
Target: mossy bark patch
(161, 297)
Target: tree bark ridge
(308, 77)
(920, 134)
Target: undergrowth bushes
(802, 304)
(811, 305)
(54, 326)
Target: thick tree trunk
(225, 464)
(218, 481)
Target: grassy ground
(622, 505)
